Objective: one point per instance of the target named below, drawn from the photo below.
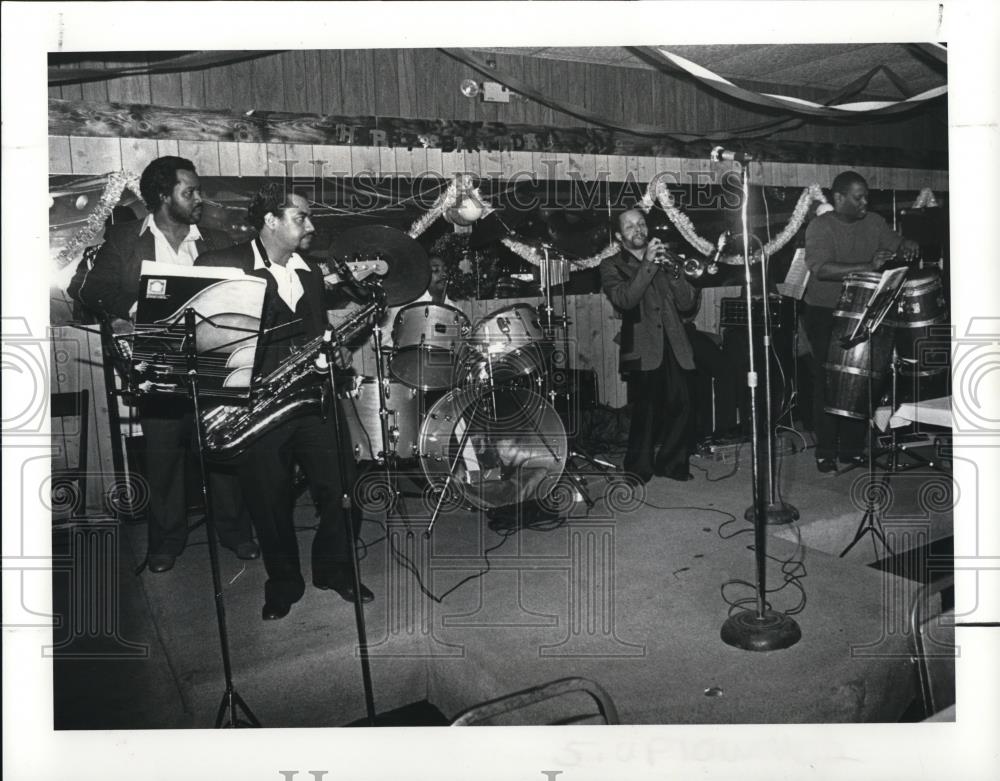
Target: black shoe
(853, 460)
(642, 475)
(345, 590)
(160, 562)
(272, 611)
(826, 465)
(681, 474)
(248, 550)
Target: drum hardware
(556, 272)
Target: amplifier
(733, 312)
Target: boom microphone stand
(231, 700)
(763, 629)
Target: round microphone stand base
(778, 513)
(770, 631)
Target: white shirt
(289, 284)
(184, 256)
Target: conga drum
(921, 319)
(848, 371)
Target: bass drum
(502, 446)
(361, 411)
(428, 340)
(847, 371)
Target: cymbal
(409, 272)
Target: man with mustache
(654, 351)
(838, 243)
(171, 190)
(294, 314)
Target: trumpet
(689, 267)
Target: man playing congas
(847, 240)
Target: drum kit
(470, 402)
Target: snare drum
(847, 371)
(361, 411)
(428, 340)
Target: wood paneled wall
(423, 83)
(77, 363)
(90, 156)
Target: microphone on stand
(719, 154)
(361, 293)
(720, 245)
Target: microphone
(720, 245)
(718, 154)
(362, 292)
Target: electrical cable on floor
(727, 475)
(792, 569)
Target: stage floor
(631, 595)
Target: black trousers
(267, 477)
(661, 406)
(170, 438)
(836, 435)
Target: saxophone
(294, 388)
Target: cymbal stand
(231, 700)
(462, 442)
(557, 329)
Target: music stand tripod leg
(231, 701)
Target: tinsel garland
(925, 199)
(657, 190)
(445, 201)
(534, 256)
(117, 182)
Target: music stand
(882, 300)
(168, 360)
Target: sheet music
(794, 285)
(881, 301)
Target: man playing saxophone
(294, 314)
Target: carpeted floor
(631, 595)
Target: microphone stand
(329, 348)
(231, 701)
(762, 629)
(778, 511)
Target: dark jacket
(111, 287)
(649, 300)
(307, 322)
